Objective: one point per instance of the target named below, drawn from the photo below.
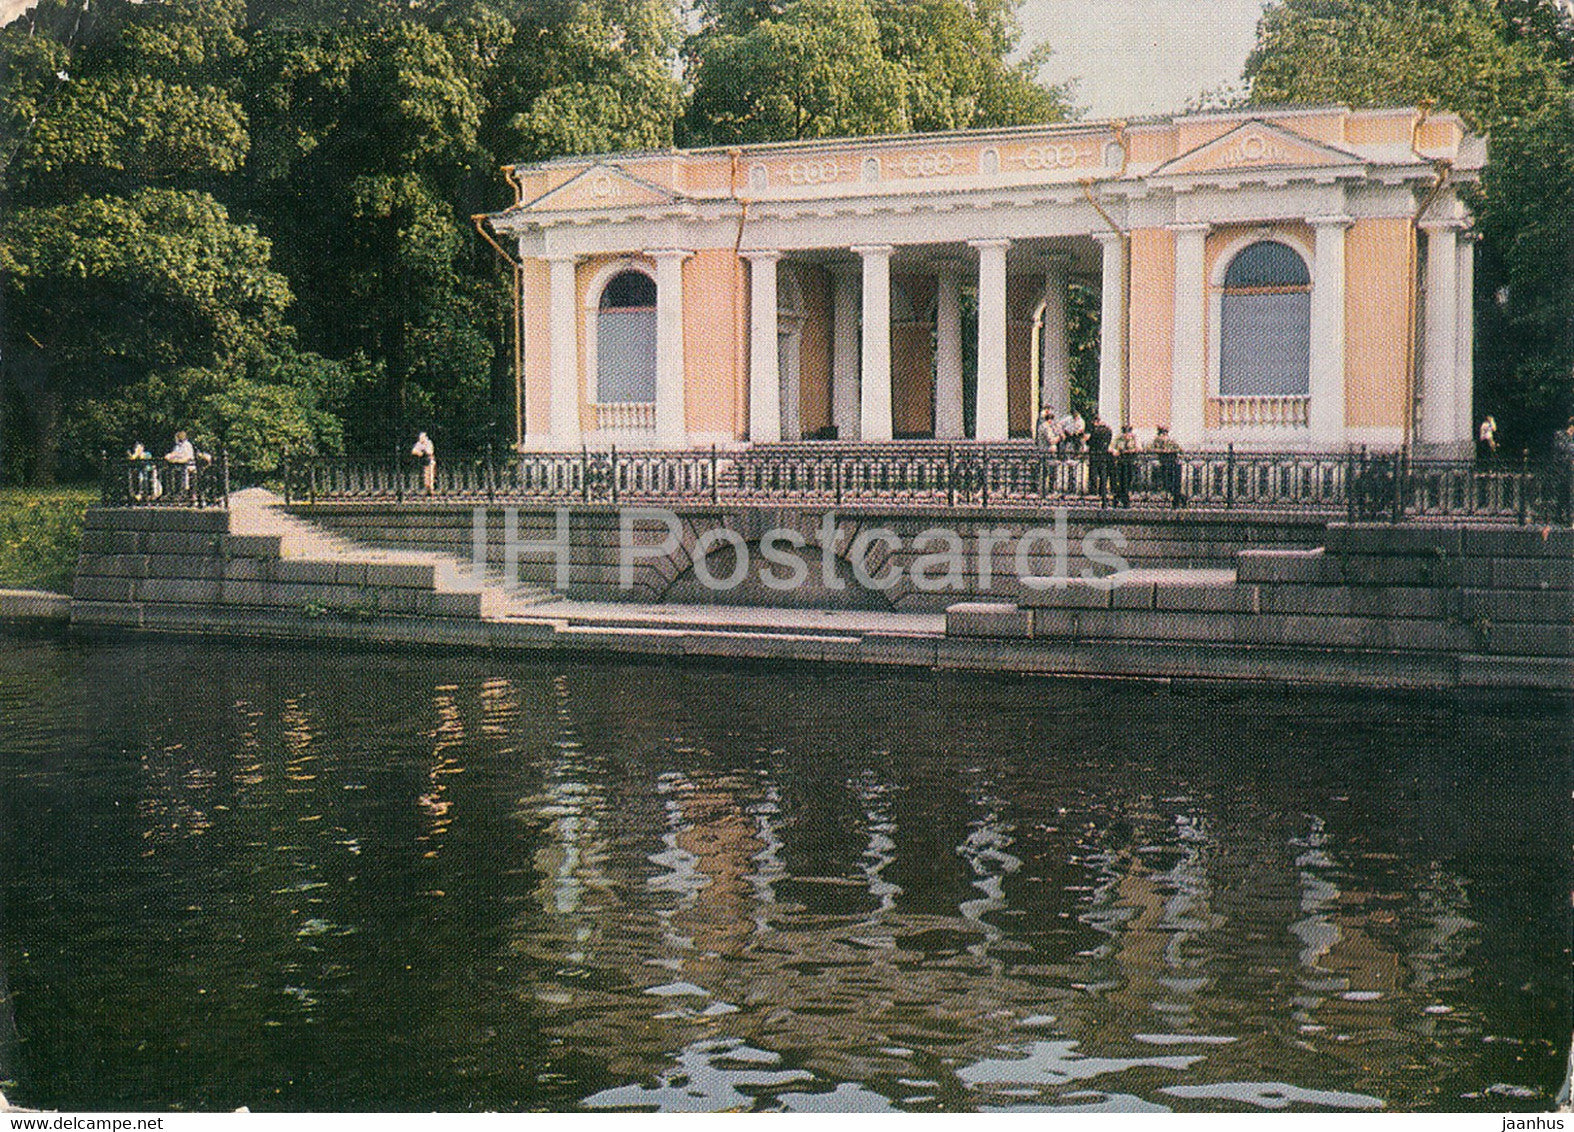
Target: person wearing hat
(1563, 469)
(1125, 449)
(1100, 463)
(1169, 465)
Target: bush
(41, 536)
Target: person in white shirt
(1486, 440)
(1072, 426)
(184, 456)
(428, 454)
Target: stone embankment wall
(173, 569)
(1398, 606)
(1415, 606)
(1153, 538)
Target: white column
(1112, 323)
(844, 353)
(1326, 383)
(1438, 357)
(1054, 347)
(1465, 338)
(875, 379)
(670, 426)
(989, 417)
(563, 353)
(789, 344)
(765, 409)
(1189, 363)
(948, 352)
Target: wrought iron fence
(150, 482)
(1392, 486)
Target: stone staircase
(154, 567)
(258, 511)
(1404, 606)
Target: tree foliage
(250, 218)
(823, 68)
(1507, 68)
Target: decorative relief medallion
(1254, 149)
(603, 187)
(932, 164)
(818, 172)
(1062, 155)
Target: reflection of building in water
(448, 739)
(701, 907)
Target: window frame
(595, 289)
(1228, 252)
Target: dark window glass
(1267, 264)
(630, 289)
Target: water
(291, 879)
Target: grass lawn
(40, 535)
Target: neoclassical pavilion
(1294, 279)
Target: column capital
(761, 255)
(1106, 237)
(1446, 224)
(1337, 221)
(679, 254)
(562, 257)
(1191, 226)
(869, 251)
(990, 243)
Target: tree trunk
(45, 405)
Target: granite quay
(1234, 595)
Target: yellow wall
(1377, 262)
(912, 378)
(533, 294)
(1152, 326)
(714, 373)
(814, 349)
(1019, 377)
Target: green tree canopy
(815, 71)
(825, 68)
(1506, 69)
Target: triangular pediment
(601, 186)
(1256, 145)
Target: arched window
(1265, 323)
(626, 339)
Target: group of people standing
(183, 462)
(1112, 459)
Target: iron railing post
(1349, 485)
(489, 470)
(983, 467)
(398, 477)
(584, 473)
(1400, 472)
(614, 474)
(1229, 477)
(715, 477)
(1524, 483)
